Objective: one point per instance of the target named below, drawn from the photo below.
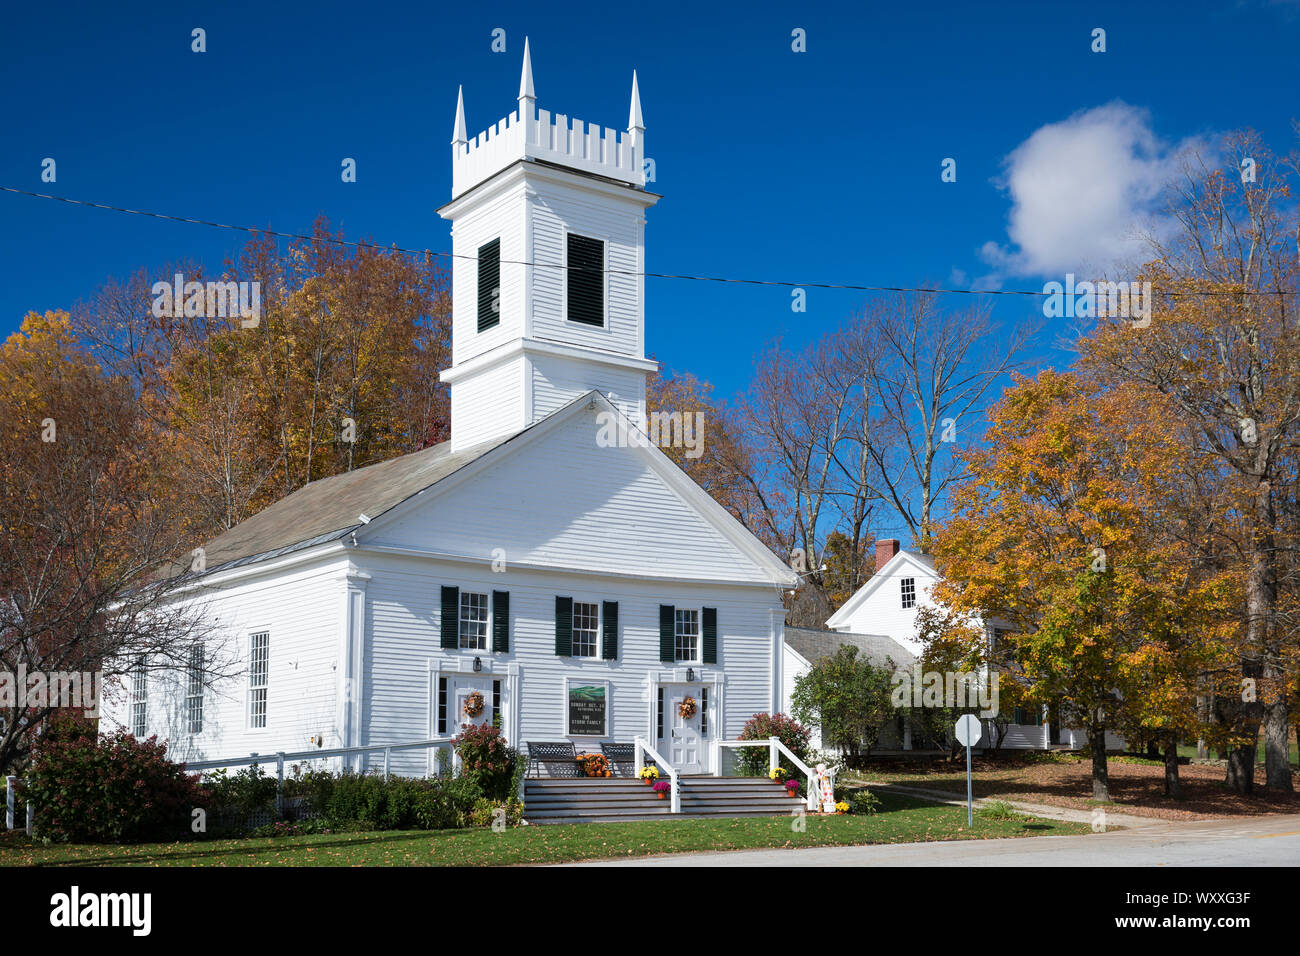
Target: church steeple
(548, 225)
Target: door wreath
(686, 709)
(473, 704)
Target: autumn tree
(1222, 345)
(82, 535)
(1052, 535)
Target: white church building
(523, 573)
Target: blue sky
(821, 166)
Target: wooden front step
(585, 800)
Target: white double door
(684, 737)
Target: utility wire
(626, 272)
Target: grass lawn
(900, 820)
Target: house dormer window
(489, 285)
(586, 280)
(908, 591)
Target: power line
(626, 272)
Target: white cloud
(1082, 191)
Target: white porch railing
(675, 794)
(812, 791)
(11, 796)
(255, 759)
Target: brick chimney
(886, 548)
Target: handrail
(254, 759)
(675, 794)
(774, 744)
(813, 798)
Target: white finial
(458, 134)
(526, 79)
(634, 120)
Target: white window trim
(248, 691)
(600, 637)
(698, 659)
(568, 682)
(564, 287)
(139, 697)
(460, 622)
(190, 696)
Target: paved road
(1260, 841)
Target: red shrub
(92, 787)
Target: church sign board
(588, 716)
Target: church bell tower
(548, 245)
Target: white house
(888, 604)
(582, 588)
(804, 646)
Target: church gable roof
(329, 508)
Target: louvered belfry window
(586, 280)
(489, 285)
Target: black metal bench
(620, 755)
(553, 752)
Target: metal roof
(812, 644)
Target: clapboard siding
(562, 501)
(301, 610)
(404, 618)
(501, 217)
(556, 210)
(882, 612)
(490, 404)
(558, 381)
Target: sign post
(968, 733)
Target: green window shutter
(450, 617)
(500, 620)
(586, 280)
(564, 626)
(710, 635)
(489, 285)
(667, 636)
(609, 634)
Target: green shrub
(485, 812)
(754, 760)
(238, 795)
(863, 801)
(399, 803)
(91, 787)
